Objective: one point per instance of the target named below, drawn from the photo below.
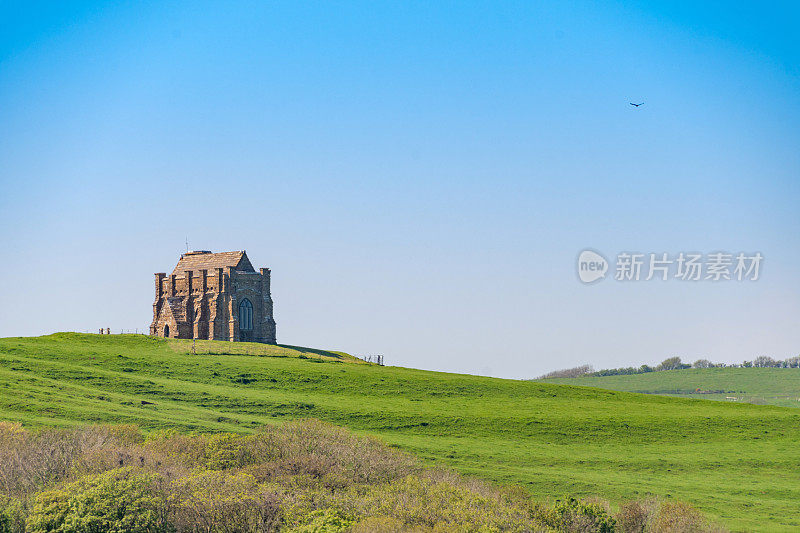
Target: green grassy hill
(736, 462)
(773, 386)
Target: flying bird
(636, 105)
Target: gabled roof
(206, 260)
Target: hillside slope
(772, 386)
(736, 462)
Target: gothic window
(245, 315)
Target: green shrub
(49, 512)
(12, 515)
(384, 524)
(124, 500)
(217, 451)
(574, 515)
(325, 521)
(223, 450)
(446, 501)
(223, 501)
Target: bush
(223, 450)
(677, 517)
(320, 449)
(325, 521)
(49, 513)
(633, 516)
(122, 500)
(384, 524)
(654, 516)
(574, 515)
(12, 515)
(446, 501)
(32, 461)
(223, 502)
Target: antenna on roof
(187, 244)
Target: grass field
(736, 462)
(772, 386)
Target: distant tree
(673, 363)
(763, 361)
(645, 368)
(793, 362)
(569, 372)
(702, 363)
(747, 364)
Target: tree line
(672, 363)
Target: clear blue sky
(419, 176)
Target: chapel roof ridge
(207, 260)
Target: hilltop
(736, 462)
(773, 386)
